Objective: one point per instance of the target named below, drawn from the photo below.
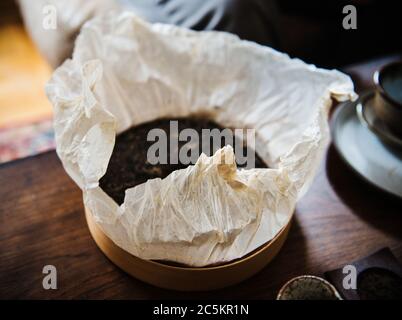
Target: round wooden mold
(187, 278)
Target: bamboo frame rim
(241, 260)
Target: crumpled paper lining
(125, 71)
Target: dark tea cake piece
(128, 165)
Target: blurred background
(311, 30)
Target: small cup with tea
(388, 97)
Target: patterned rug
(26, 140)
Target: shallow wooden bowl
(187, 278)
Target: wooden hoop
(187, 278)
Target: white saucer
(375, 161)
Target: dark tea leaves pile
(129, 167)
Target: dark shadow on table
(289, 262)
(378, 208)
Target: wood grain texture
(42, 221)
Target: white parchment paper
(125, 71)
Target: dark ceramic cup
(388, 97)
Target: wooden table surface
(341, 219)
